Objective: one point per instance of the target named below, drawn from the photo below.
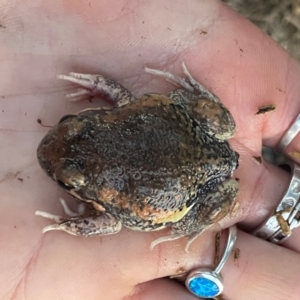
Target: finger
(116, 264)
(81, 268)
(263, 271)
(260, 193)
(165, 289)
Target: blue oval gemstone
(203, 287)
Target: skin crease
(226, 53)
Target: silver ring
(206, 282)
(289, 135)
(278, 227)
(286, 217)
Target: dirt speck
(217, 247)
(181, 271)
(295, 154)
(237, 253)
(284, 225)
(10, 176)
(265, 109)
(257, 159)
(40, 122)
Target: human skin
(117, 39)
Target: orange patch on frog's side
(147, 212)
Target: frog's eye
(65, 118)
(63, 185)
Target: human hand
(223, 51)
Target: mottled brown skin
(150, 163)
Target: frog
(147, 163)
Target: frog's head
(56, 155)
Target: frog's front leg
(94, 85)
(206, 108)
(76, 224)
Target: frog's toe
(52, 227)
(174, 79)
(55, 218)
(73, 97)
(192, 238)
(188, 77)
(47, 215)
(87, 81)
(69, 212)
(176, 236)
(167, 238)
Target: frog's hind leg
(93, 85)
(188, 82)
(76, 224)
(206, 108)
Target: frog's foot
(76, 224)
(94, 85)
(188, 82)
(175, 236)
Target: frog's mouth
(62, 184)
(49, 153)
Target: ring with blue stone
(206, 282)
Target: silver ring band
(206, 282)
(289, 135)
(278, 227)
(286, 217)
